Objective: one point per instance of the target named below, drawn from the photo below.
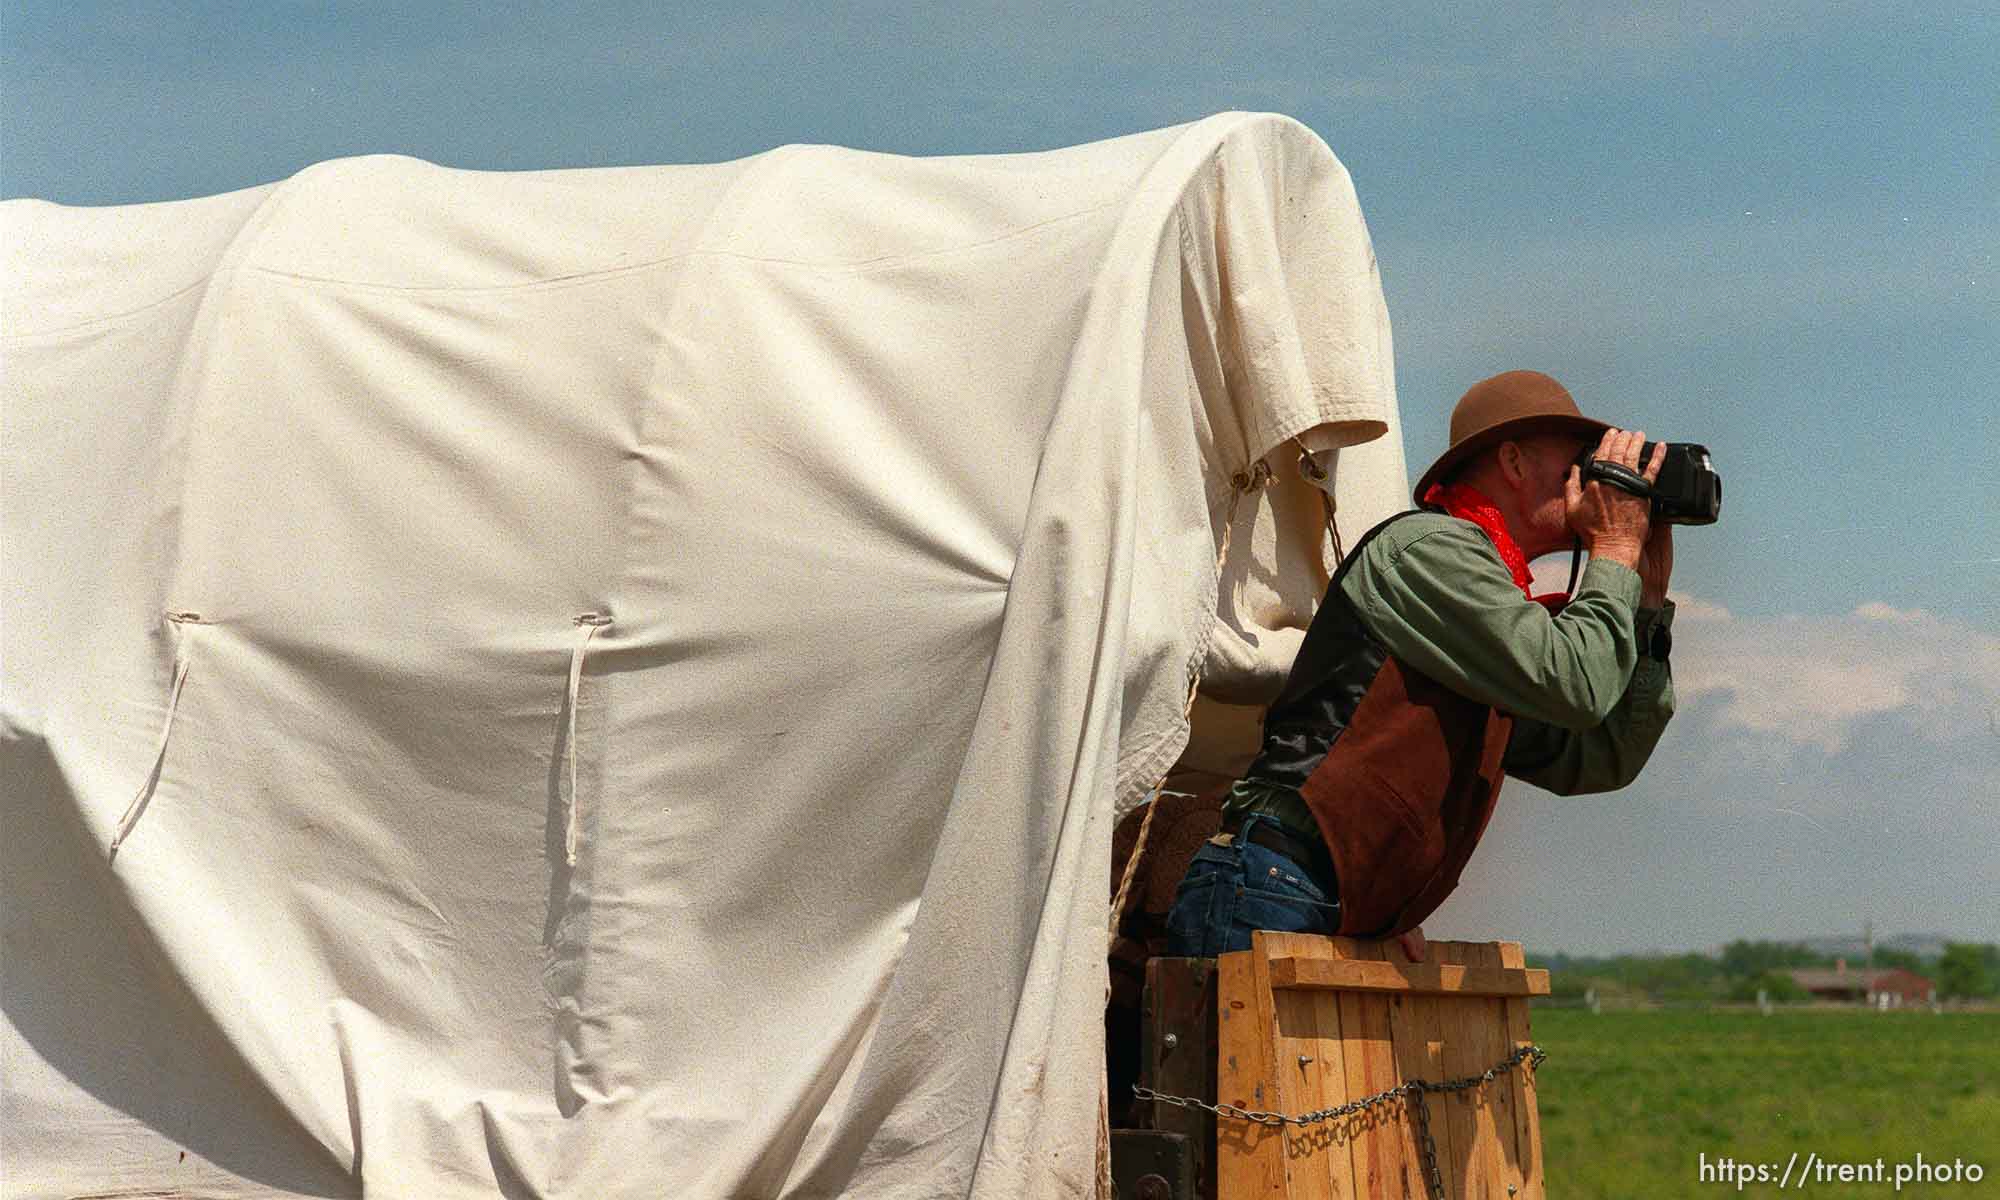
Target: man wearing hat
(1430, 670)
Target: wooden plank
(1383, 1146)
(1177, 1054)
(1414, 1033)
(1527, 1118)
(1312, 1074)
(1498, 1096)
(1428, 977)
(1336, 1139)
(1471, 1046)
(1267, 1020)
(1456, 1058)
(1249, 1159)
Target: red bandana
(1470, 504)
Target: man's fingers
(1621, 446)
(1659, 460)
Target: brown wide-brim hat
(1513, 404)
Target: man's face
(1545, 461)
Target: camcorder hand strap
(1617, 475)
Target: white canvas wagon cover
(617, 682)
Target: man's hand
(1612, 522)
(1413, 944)
(1656, 566)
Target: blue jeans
(1231, 889)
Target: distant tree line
(1965, 971)
(1968, 969)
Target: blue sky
(1770, 226)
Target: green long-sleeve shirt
(1589, 704)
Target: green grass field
(1629, 1100)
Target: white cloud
(1694, 608)
(1875, 610)
(1823, 772)
(1809, 681)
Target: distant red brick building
(1887, 987)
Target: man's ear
(1513, 463)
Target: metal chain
(1433, 1174)
(1414, 1090)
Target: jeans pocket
(1270, 871)
(1283, 908)
(1281, 876)
(1188, 919)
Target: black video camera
(1688, 491)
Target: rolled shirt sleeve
(1572, 762)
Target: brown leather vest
(1403, 796)
(1401, 773)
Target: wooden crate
(1308, 1023)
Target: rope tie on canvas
(1317, 476)
(185, 624)
(587, 626)
(1240, 485)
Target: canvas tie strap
(587, 626)
(185, 624)
(1321, 482)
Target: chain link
(1433, 1174)
(1414, 1091)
